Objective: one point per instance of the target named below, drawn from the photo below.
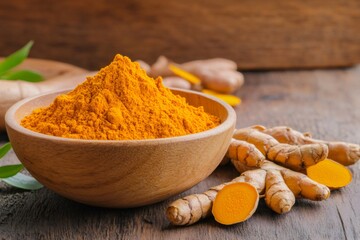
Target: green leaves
(12, 176)
(23, 75)
(14, 60)
(4, 149)
(10, 170)
(23, 181)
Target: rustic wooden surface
(256, 34)
(326, 103)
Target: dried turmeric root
(295, 157)
(341, 152)
(235, 203)
(330, 173)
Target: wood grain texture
(326, 103)
(256, 34)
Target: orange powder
(120, 102)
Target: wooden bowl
(127, 173)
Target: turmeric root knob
(190, 209)
(341, 152)
(298, 157)
(278, 196)
(235, 203)
(302, 186)
(292, 156)
(245, 152)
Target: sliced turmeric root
(235, 203)
(330, 173)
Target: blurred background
(256, 34)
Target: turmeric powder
(120, 102)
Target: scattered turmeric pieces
(235, 203)
(330, 173)
(120, 102)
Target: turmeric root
(176, 82)
(330, 173)
(300, 184)
(235, 203)
(216, 74)
(213, 63)
(295, 157)
(161, 68)
(192, 208)
(244, 152)
(341, 152)
(278, 196)
(144, 65)
(178, 71)
(224, 81)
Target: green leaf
(5, 149)
(10, 170)
(23, 181)
(25, 75)
(16, 58)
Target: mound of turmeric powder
(120, 102)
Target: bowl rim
(223, 126)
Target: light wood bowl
(127, 173)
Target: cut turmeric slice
(235, 203)
(184, 74)
(330, 173)
(230, 99)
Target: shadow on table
(3, 137)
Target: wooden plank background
(257, 34)
(325, 103)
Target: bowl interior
(211, 105)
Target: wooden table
(324, 102)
